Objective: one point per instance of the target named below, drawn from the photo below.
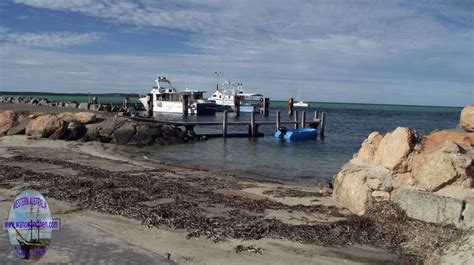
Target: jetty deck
(318, 122)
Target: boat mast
(299, 84)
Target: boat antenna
(217, 79)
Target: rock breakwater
(86, 126)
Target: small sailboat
(300, 102)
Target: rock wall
(124, 109)
(430, 177)
(86, 126)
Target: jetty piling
(290, 106)
(236, 106)
(296, 119)
(253, 129)
(316, 115)
(185, 104)
(224, 125)
(303, 119)
(277, 120)
(321, 125)
(266, 106)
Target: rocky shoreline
(90, 126)
(430, 177)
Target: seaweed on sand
(123, 193)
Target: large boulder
(146, 134)
(433, 170)
(467, 118)
(85, 117)
(7, 119)
(429, 207)
(351, 187)
(394, 148)
(369, 147)
(66, 116)
(20, 125)
(437, 139)
(44, 126)
(124, 133)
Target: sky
(388, 52)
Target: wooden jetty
(318, 121)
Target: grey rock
(429, 207)
(94, 107)
(72, 105)
(387, 184)
(83, 105)
(75, 130)
(19, 126)
(468, 215)
(146, 135)
(124, 133)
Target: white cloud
(50, 39)
(352, 48)
(25, 68)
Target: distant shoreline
(137, 95)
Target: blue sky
(395, 52)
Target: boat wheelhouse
(166, 99)
(225, 98)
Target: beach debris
(249, 248)
(290, 192)
(120, 193)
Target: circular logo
(30, 225)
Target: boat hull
(298, 134)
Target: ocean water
(347, 125)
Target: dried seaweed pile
(283, 192)
(124, 193)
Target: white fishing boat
(166, 99)
(224, 98)
(300, 103)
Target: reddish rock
(433, 170)
(44, 126)
(437, 139)
(7, 120)
(467, 118)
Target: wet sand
(147, 211)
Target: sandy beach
(154, 211)
(58, 158)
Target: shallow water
(308, 161)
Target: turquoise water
(309, 161)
